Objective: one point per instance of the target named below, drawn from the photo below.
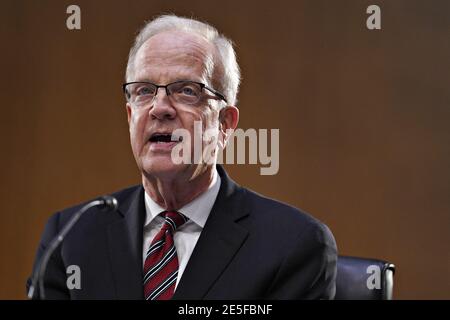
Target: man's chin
(164, 168)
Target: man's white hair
(225, 65)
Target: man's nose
(162, 107)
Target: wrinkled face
(162, 59)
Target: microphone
(108, 202)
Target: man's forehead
(173, 46)
(174, 55)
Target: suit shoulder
(285, 217)
(60, 218)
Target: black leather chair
(364, 279)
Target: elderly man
(189, 231)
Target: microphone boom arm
(38, 277)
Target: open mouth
(165, 138)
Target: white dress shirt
(187, 235)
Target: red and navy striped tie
(161, 262)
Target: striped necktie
(161, 262)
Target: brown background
(363, 117)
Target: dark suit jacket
(251, 247)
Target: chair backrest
(364, 279)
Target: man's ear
(228, 121)
(128, 112)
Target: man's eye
(189, 91)
(144, 91)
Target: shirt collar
(197, 210)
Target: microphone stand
(38, 277)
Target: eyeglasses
(141, 93)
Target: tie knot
(174, 219)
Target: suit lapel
(125, 237)
(220, 240)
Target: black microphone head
(110, 202)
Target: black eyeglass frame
(202, 86)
